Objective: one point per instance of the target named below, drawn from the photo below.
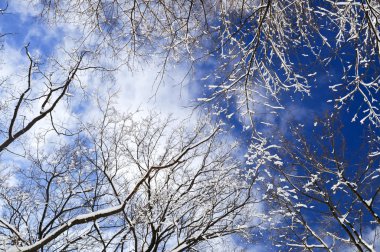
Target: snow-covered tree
(326, 191)
(128, 184)
(251, 61)
(254, 50)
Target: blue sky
(328, 81)
(136, 90)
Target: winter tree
(252, 64)
(327, 193)
(128, 184)
(254, 49)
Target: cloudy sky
(141, 86)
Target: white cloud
(136, 90)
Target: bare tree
(255, 49)
(23, 106)
(105, 188)
(127, 184)
(326, 191)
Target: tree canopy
(273, 132)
